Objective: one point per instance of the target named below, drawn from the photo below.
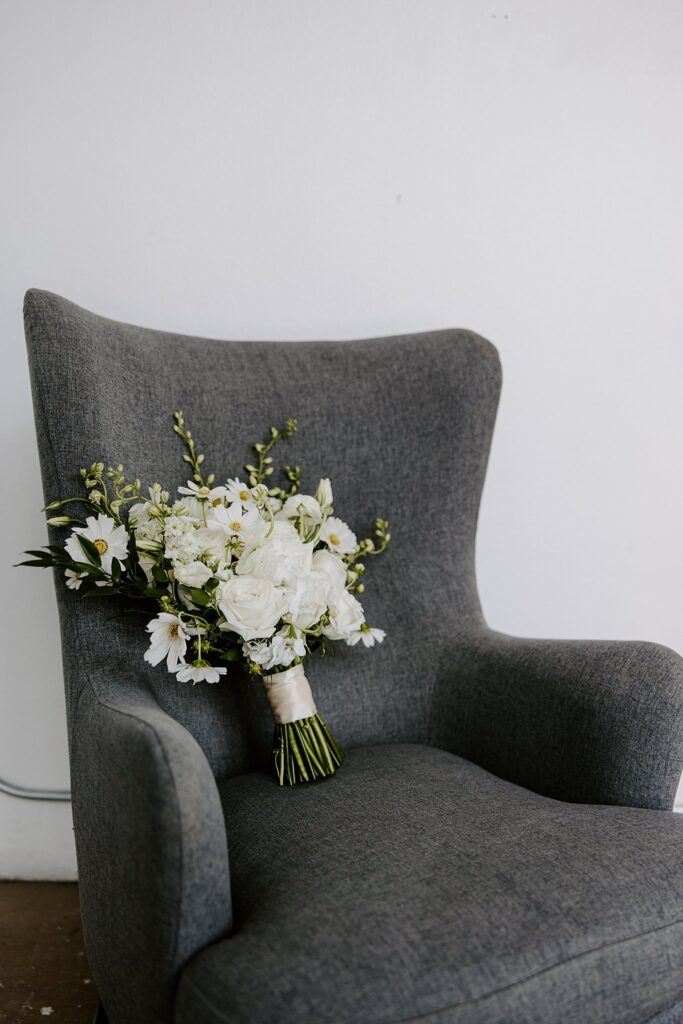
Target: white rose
(346, 615)
(252, 607)
(194, 574)
(331, 566)
(308, 600)
(281, 558)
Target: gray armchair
(499, 846)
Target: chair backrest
(401, 425)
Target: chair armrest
(584, 721)
(152, 851)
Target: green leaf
(199, 597)
(133, 557)
(211, 584)
(90, 549)
(115, 570)
(86, 567)
(234, 654)
(155, 592)
(160, 574)
(37, 562)
(58, 549)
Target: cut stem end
(304, 751)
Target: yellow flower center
(216, 501)
(101, 545)
(173, 631)
(236, 527)
(333, 615)
(334, 539)
(244, 495)
(203, 492)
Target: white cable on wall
(34, 794)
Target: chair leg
(100, 1016)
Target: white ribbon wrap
(289, 695)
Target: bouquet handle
(303, 746)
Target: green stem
(304, 751)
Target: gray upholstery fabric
(587, 721)
(152, 852)
(417, 886)
(402, 426)
(672, 1015)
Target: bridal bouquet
(239, 572)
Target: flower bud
(323, 495)
(59, 521)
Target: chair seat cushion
(415, 886)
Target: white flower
(73, 579)
(258, 651)
(181, 537)
(338, 537)
(214, 545)
(199, 672)
(238, 522)
(191, 509)
(223, 570)
(168, 639)
(346, 615)
(192, 574)
(331, 566)
(212, 495)
(302, 508)
(251, 607)
(323, 495)
(281, 557)
(148, 528)
(236, 491)
(279, 652)
(110, 540)
(307, 600)
(369, 636)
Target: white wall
(308, 168)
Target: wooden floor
(43, 971)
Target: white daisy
(236, 491)
(168, 639)
(110, 540)
(200, 672)
(239, 522)
(368, 635)
(212, 495)
(338, 537)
